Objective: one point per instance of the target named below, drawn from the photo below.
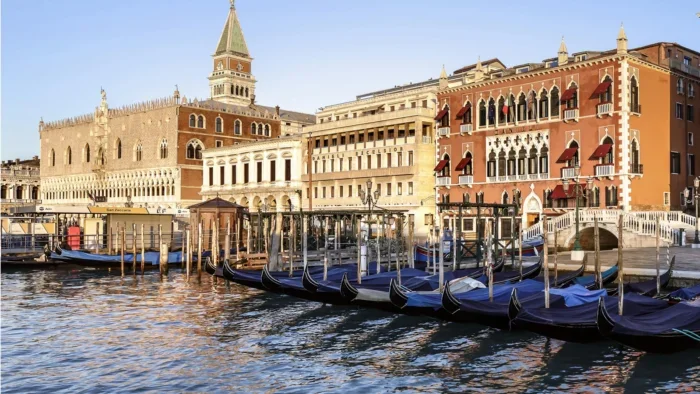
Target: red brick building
(625, 118)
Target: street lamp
(370, 200)
(577, 193)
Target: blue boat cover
(152, 258)
(501, 293)
(585, 314)
(678, 317)
(687, 293)
(577, 295)
(589, 279)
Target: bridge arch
(607, 232)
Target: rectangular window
(349, 163)
(342, 140)
(359, 190)
(399, 159)
(380, 135)
(424, 104)
(351, 139)
(273, 171)
(690, 113)
(332, 191)
(323, 192)
(340, 165)
(506, 228)
(219, 143)
(222, 177)
(410, 188)
(410, 158)
(428, 219)
(258, 171)
(316, 167)
(315, 191)
(691, 164)
(379, 189)
(341, 191)
(318, 143)
(233, 174)
(388, 189)
(686, 60)
(370, 137)
(388, 160)
(399, 189)
(211, 176)
(349, 190)
(361, 137)
(679, 111)
(675, 163)
(325, 142)
(369, 162)
(332, 165)
(359, 162)
(691, 139)
(379, 160)
(246, 172)
(323, 167)
(334, 141)
(287, 170)
(667, 198)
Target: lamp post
(370, 200)
(577, 253)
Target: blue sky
(308, 53)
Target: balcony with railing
(604, 170)
(686, 68)
(571, 114)
(466, 179)
(20, 172)
(443, 180)
(444, 131)
(568, 172)
(466, 128)
(604, 109)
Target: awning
(463, 163)
(441, 114)
(568, 154)
(602, 87)
(568, 94)
(440, 166)
(463, 111)
(601, 151)
(559, 194)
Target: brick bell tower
(231, 80)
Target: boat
(423, 256)
(578, 323)
(590, 282)
(684, 294)
(669, 330)
(503, 277)
(565, 279)
(648, 287)
(151, 260)
(531, 248)
(253, 278)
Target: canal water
(91, 331)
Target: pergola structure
(222, 215)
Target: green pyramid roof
(232, 40)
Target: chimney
(277, 110)
(252, 99)
(35, 157)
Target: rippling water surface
(90, 331)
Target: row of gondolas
(580, 308)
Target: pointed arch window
(87, 153)
(253, 128)
(679, 86)
(465, 114)
(482, 113)
(119, 148)
(544, 104)
(634, 162)
(594, 201)
(138, 152)
(504, 198)
(466, 165)
(634, 96)
(194, 149)
(609, 157)
(267, 130)
(502, 163)
(532, 106)
(522, 158)
(522, 108)
(554, 98)
(547, 198)
(260, 129)
(480, 198)
(605, 96)
(571, 96)
(517, 197)
(445, 164)
(444, 117)
(219, 125)
(491, 165)
(532, 161)
(164, 149)
(465, 197)
(193, 120)
(544, 160)
(500, 112)
(237, 127)
(492, 112)
(200, 121)
(511, 162)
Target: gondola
(423, 256)
(684, 294)
(428, 303)
(532, 248)
(295, 286)
(578, 323)
(151, 261)
(565, 279)
(503, 277)
(590, 282)
(670, 330)
(648, 287)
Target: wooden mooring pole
(163, 263)
(199, 251)
(545, 261)
(188, 262)
(411, 246)
(520, 251)
(133, 247)
(121, 247)
(325, 250)
(359, 250)
(620, 266)
(110, 241)
(488, 262)
(658, 254)
(596, 248)
(143, 250)
(556, 253)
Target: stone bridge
(639, 229)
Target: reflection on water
(92, 331)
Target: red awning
(602, 88)
(441, 114)
(559, 194)
(567, 155)
(440, 165)
(463, 110)
(568, 94)
(463, 163)
(601, 151)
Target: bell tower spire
(231, 80)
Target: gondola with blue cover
(590, 282)
(669, 330)
(151, 260)
(648, 287)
